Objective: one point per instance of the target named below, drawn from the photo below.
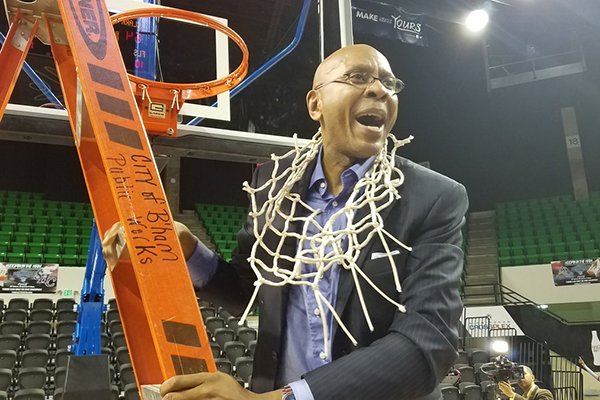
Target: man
(530, 390)
(354, 100)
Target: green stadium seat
(53, 238)
(70, 260)
(519, 260)
(591, 253)
(51, 258)
(546, 257)
(14, 257)
(6, 236)
(21, 237)
(19, 247)
(36, 247)
(561, 256)
(71, 230)
(27, 219)
(531, 250)
(573, 246)
(504, 261)
(577, 255)
(53, 248)
(33, 258)
(10, 219)
(70, 249)
(545, 248)
(7, 227)
(585, 236)
(55, 229)
(71, 239)
(37, 237)
(39, 228)
(559, 247)
(22, 228)
(517, 251)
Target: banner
(499, 319)
(388, 21)
(28, 278)
(576, 272)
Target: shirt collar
(531, 390)
(358, 169)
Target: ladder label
(114, 105)
(188, 365)
(105, 77)
(179, 333)
(91, 23)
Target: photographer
(530, 390)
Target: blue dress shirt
(301, 352)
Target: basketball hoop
(160, 102)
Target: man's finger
(183, 382)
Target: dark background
(502, 145)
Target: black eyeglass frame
(347, 79)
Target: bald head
(354, 117)
(527, 369)
(340, 57)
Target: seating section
(35, 230)
(34, 353)
(222, 224)
(539, 231)
(466, 381)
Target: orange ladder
(156, 300)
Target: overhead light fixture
(500, 346)
(477, 20)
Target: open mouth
(371, 120)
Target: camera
(502, 369)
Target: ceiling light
(477, 20)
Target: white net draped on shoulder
(324, 250)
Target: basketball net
(329, 247)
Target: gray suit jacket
(407, 354)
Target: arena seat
(12, 327)
(126, 375)
(8, 359)
(30, 394)
(34, 358)
(31, 378)
(469, 391)
(233, 350)
(131, 392)
(449, 392)
(243, 367)
(224, 365)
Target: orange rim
(190, 90)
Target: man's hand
(210, 385)
(506, 389)
(114, 248)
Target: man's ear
(313, 104)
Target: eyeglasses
(363, 80)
